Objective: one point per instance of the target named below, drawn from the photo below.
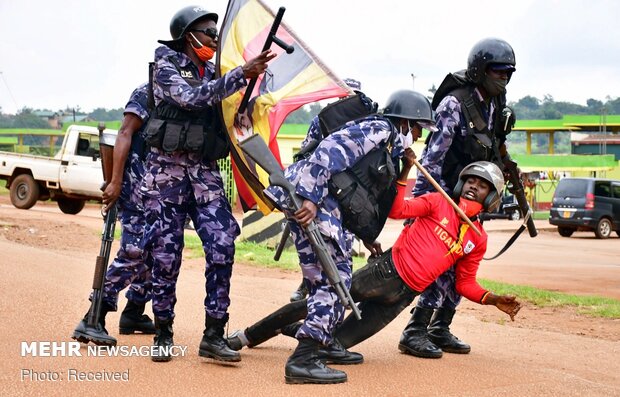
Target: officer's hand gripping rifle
(257, 150)
(106, 147)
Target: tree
(25, 118)
(299, 116)
(526, 108)
(594, 105)
(101, 114)
(529, 102)
(613, 105)
(315, 108)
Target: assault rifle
(517, 190)
(256, 148)
(106, 147)
(513, 177)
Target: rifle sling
(509, 243)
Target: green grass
(256, 254)
(541, 215)
(3, 190)
(591, 305)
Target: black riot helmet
(182, 20)
(487, 52)
(490, 173)
(409, 104)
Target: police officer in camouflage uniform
(312, 136)
(473, 122)
(131, 265)
(183, 178)
(336, 153)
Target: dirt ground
(46, 259)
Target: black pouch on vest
(381, 171)
(172, 137)
(358, 212)
(194, 138)
(154, 133)
(216, 146)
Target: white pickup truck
(69, 178)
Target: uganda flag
(290, 81)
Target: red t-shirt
(436, 240)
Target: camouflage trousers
(175, 186)
(441, 293)
(164, 239)
(325, 311)
(131, 267)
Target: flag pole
(446, 196)
(271, 38)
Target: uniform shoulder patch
(469, 247)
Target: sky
(86, 53)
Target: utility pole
(603, 134)
(413, 76)
(10, 93)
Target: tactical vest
(366, 191)
(479, 143)
(174, 129)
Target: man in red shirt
(426, 248)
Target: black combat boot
(414, 339)
(439, 332)
(97, 334)
(213, 344)
(300, 293)
(335, 353)
(134, 320)
(304, 366)
(163, 340)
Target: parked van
(589, 204)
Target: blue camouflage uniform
(181, 183)
(131, 265)
(336, 153)
(450, 121)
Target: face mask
(204, 53)
(406, 138)
(469, 207)
(494, 87)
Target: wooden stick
(446, 196)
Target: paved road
(44, 290)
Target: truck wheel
(565, 231)
(24, 191)
(603, 228)
(70, 206)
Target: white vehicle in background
(70, 178)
